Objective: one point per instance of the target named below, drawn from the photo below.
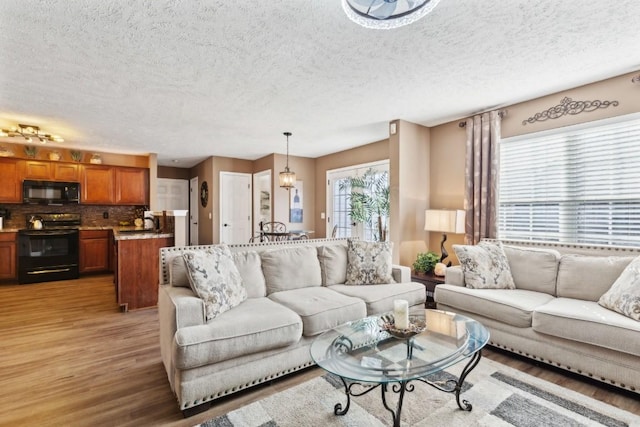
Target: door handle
(225, 225)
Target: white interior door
(235, 207)
(194, 201)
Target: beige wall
(447, 178)
(409, 181)
(173, 173)
(615, 89)
(448, 140)
(204, 172)
(304, 168)
(373, 152)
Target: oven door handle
(55, 270)
(49, 233)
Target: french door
(338, 191)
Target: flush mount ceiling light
(387, 14)
(30, 133)
(287, 178)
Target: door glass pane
(339, 190)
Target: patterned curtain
(481, 170)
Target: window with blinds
(579, 184)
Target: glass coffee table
(369, 353)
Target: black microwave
(50, 192)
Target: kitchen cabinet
(95, 249)
(65, 172)
(97, 185)
(11, 182)
(50, 171)
(108, 185)
(132, 186)
(8, 257)
(37, 170)
(137, 271)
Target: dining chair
(275, 230)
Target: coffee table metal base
(448, 386)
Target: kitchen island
(137, 257)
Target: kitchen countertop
(119, 233)
(9, 230)
(135, 233)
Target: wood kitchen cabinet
(10, 181)
(95, 249)
(65, 172)
(108, 185)
(97, 185)
(8, 256)
(132, 186)
(137, 271)
(37, 170)
(50, 171)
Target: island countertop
(134, 233)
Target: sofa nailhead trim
(549, 362)
(204, 400)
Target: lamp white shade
(444, 221)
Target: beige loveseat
(553, 314)
(295, 292)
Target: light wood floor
(68, 356)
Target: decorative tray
(416, 326)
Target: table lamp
(444, 221)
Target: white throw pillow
(215, 279)
(485, 266)
(369, 263)
(624, 294)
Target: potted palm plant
(368, 201)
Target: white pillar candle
(401, 313)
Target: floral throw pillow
(485, 266)
(214, 278)
(624, 294)
(369, 263)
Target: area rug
(501, 396)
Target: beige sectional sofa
(553, 315)
(295, 291)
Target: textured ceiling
(192, 79)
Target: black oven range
(48, 248)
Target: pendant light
(287, 178)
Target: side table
(430, 281)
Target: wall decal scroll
(570, 107)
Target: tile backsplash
(92, 215)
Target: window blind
(579, 184)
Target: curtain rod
(501, 113)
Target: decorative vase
(440, 269)
(95, 159)
(6, 152)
